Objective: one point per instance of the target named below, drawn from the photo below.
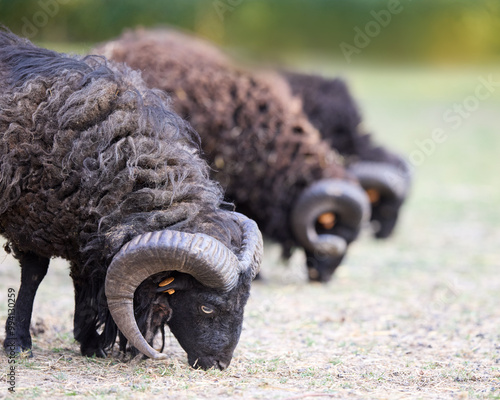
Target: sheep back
(259, 142)
(90, 157)
(333, 111)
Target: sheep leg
(85, 323)
(33, 270)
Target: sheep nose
(222, 364)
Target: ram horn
(386, 178)
(344, 201)
(252, 248)
(205, 258)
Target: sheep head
(205, 299)
(326, 217)
(387, 186)
(207, 322)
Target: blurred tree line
(406, 31)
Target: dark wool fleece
(254, 132)
(89, 158)
(333, 111)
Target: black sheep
(384, 175)
(270, 159)
(97, 169)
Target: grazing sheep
(384, 175)
(269, 158)
(97, 169)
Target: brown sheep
(271, 161)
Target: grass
(413, 317)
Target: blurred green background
(415, 31)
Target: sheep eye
(207, 310)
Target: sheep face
(387, 186)
(320, 268)
(207, 322)
(385, 214)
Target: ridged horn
(205, 258)
(346, 200)
(252, 248)
(385, 177)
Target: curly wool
(254, 132)
(89, 158)
(334, 112)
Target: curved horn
(252, 249)
(383, 176)
(203, 257)
(339, 197)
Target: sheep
(265, 153)
(384, 175)
(96, 168)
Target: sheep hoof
(12, 349)
(93, 351)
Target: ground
(413, 317)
